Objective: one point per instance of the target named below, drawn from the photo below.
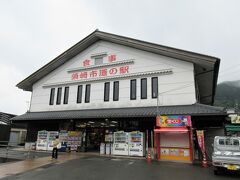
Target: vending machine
(120, 143)
(136, 144)
(51, 137)
(42, 140)
(109, 143)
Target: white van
(226, 154)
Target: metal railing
(8, 151)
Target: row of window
(133, 88)
(66, 95)
(59, 95)
(115, 91)
(133, 91)
(87, 93)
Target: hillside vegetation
(228, 94)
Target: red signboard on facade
(173, 121)
(112, 58)
(86, 62)
(104, 72)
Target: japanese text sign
(111, 58)
(97, 73)
(173, 121)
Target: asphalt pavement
(104, 168)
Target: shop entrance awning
(171, 129)
(192, 110)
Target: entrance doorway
(173, 144)
(94, 137)
(97, 131)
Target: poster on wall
(63, 136)
(173, 121)
(176, 154)
(74, 140)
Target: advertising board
(173, 121)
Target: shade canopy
(191, 110)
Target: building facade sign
(173, 121)
(111, 58)
(101, 71)
(235, 119)
(97, 73)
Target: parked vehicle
(226, 154)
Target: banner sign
(173, 121)
(235, 119)
(200, 137)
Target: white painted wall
(174, 89)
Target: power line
(181, 87)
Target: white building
(106, 77)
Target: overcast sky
(34, 32)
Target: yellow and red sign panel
(173, 121)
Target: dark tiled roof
(5, 117)
(195, 109)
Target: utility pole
(28, 106)
(157, 104)
(236, 106)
